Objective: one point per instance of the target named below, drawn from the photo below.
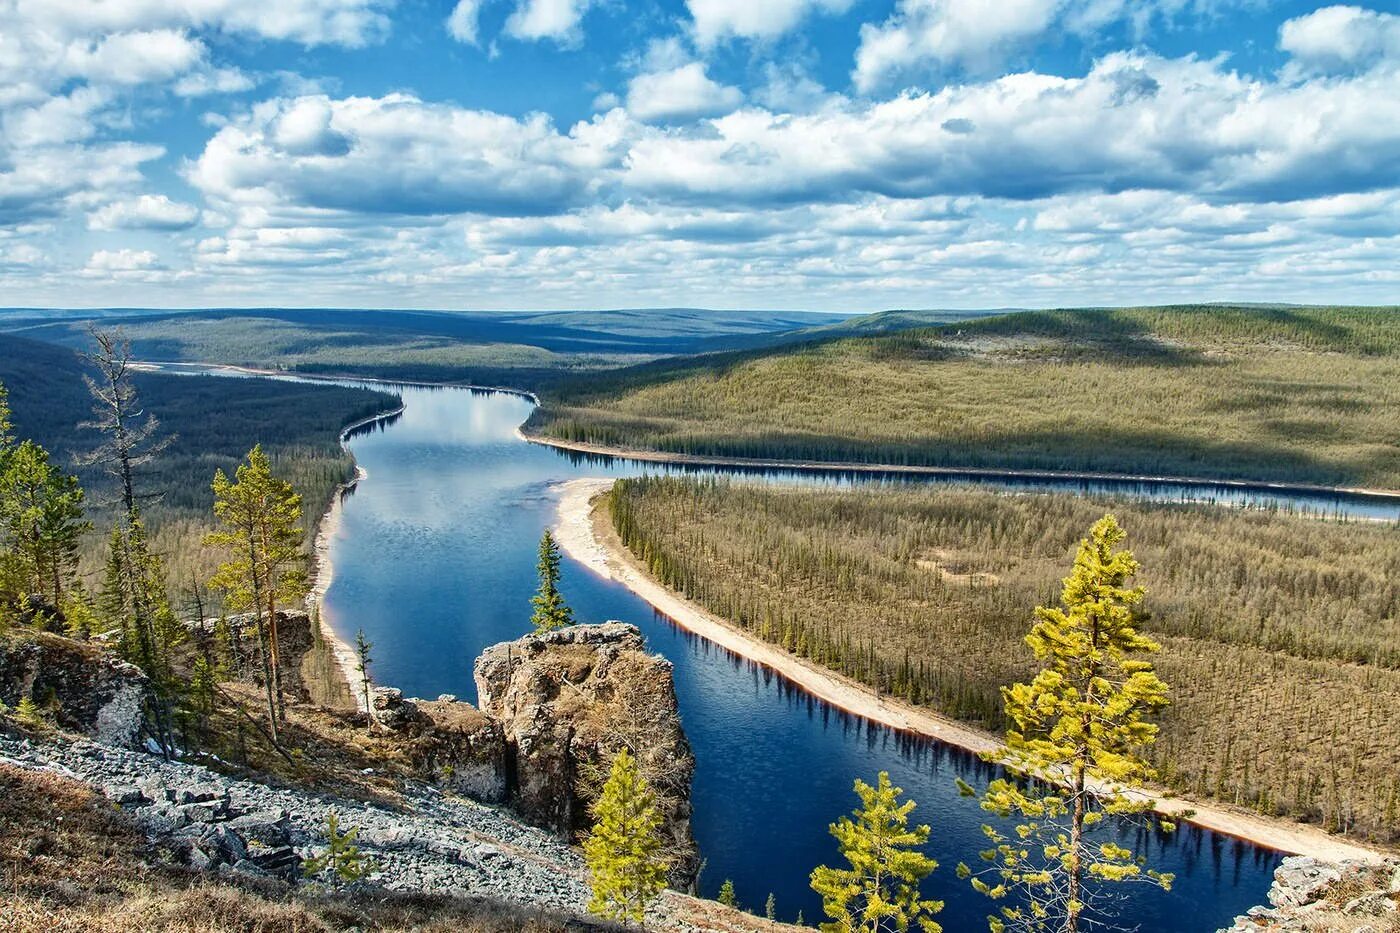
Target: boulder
(567, 701)
(80, 685)
(464, 751)
(450, 742)
(1302, 880)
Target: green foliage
(342, 858)
(210, 423)
(770, 907)
(260, 518)
(726, 894)
(29, 714)
(1281, 632)
(41, 521)
(623, 851)
(1076, 748)
(551, 612)
(880, 890)
(1267, 394)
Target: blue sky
(822, 154)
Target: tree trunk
(262, 639)
(276, 654)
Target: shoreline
(586, 535)
(848, 466)
(323, 569)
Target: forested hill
(213, 421)
(1263, 393)
(520, 349)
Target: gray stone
(268, 827)
(248, 867)
(282, 860)
(1302, 880)
(155, 789)
(205, 811)
(125, 795)
(161, 819)
(228, 843)
(201, 792)
(1370, 904)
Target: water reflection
(435, 558)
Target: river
(434, 558)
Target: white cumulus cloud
(463, 23)
(681, 93)
(547, 19)
(1341, 37)
(146, 212)
(716, 20)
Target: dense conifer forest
(1276, 394)
(1279, 632)
(211, 421)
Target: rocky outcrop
(432, 844)
(567, 701)
(452, 743)
(79, 685)
(1312, 895)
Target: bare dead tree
(130, 441)
(131, 435)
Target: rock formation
(455, 746)
(1312, 895)
(80, 685)
(567, 701)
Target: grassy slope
(214, 422)
(1308, 395)
(1279, 633)
(516, 348)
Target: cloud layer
(1135, 176)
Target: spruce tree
(727, 896)
(880, 891)
(261, 516)
(1075, 749)
(623, 851)
(550, 610)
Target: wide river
(435, 560)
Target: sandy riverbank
(323, 570)
(587, 535)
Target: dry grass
(1279, 633)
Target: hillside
(1279, 632)
(521, 349)
(1273, 394)
(213, 422)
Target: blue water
(435, 560)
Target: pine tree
(623, 850)
(342, 857)
(41, 520)
(770, 907)
(1081, 722)
(726, 894)
(261, 517)
(880, 891)
(362, 662)
(550, 610)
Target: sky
(850, 155)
